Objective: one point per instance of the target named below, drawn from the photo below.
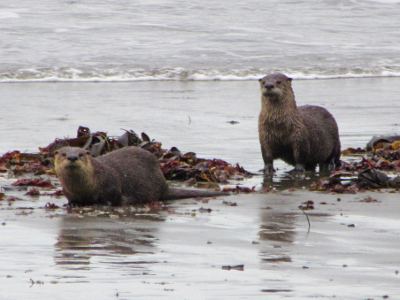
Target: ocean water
(120, 40)
(191, 115)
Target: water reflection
(115, 238)
(278, 231)
(286, 181)
(277, 227)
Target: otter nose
(72, 158)
(269, 86)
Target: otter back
(139, 172)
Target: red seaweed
(33, 182)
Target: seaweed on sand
(381, 156)
(174, 164)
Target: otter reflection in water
(123, 240)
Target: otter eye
(64, 154)
(81, 154)
(279, 82)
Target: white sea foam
(6, 14)
(173, 74)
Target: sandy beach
(199, 249)
(206, 249)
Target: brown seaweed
(363, 169)
(174, 164)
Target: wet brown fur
(130, 175)
(304, 136)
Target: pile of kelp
(380, 158)
(374, 167)
(174, 164)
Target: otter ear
(290, 79)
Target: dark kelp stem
(308, 220)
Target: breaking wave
(178, 74)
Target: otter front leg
(300, 158)
(268, 161)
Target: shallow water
(183, 252)
(192, 116)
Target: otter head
(71, 158)
(273, 85)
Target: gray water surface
(192, 116)
(197, 40)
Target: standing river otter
(129, 175)
(303, 137)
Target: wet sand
(184, 251)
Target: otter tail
(173, 194)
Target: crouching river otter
(126, 176)
(304, 136)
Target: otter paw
(269, 170)
(299, 171)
